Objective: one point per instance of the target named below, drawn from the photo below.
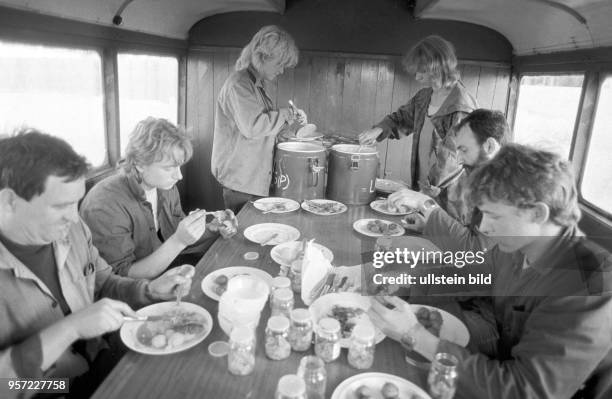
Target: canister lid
(300, 147)
(251, 255)
(281, 282)
(241, 335)
(364, 331)
(355, 149)
(283, 294)
(218, 348)
(300, 315)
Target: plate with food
(348, 308)
(276, 205)
(388, 186)
(378, 386)
(285, 254)
(271, 233)
(442, 324)
(378, 228)
(324, 207)
(382, 207)
(215, 283)
(172, 328)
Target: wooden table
(194, 373)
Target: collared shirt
(554, 320)
(27, 306)
(121, 220)
(246, 125)
(409, 120)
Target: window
(546, 111)
(148, 86)
(56, 90)
(596, 185)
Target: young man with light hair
(551, 289)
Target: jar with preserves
(327, 339)
(282, 302)
(279, 282)
(300, 332)
(241, 356)
(295, 273)
(361, 348)
(442, 378)
(277, 333)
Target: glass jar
(383, 244)
(295, 272)
(290, 386)
(327, 339)
(277, 332)
(282, 302)
(241, 356)
(300, 332)
(361, 348)
(279, 282)
(312, 371)
(442, 378)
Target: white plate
(262, 232)
(452, 330)
(276, 204)
(308, 207)
(361, 226)
(322, 307)
(285, 253)
(208, 284)
(375, 381)
(129, 330)
(381, 206)
(388, 186)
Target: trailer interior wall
(349, 75)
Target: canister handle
(355, 161)
(313, 164)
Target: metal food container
(352, 174)
(299, 171)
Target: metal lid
(281, 282)
(329, 325)
(355, 149)
(364, 332)
(300, 147)
(251, 255)
(278, 323)
(291, 385)
(300, 315)
(283, 294)
(218, 348)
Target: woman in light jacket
(430, 117)
(246, 120)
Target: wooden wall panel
(342, 94)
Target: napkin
(315, 269)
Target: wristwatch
(429, 205)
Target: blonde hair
(433, 55)
(271, 42)
(156, 139)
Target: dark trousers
(235, 200)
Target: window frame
(602, 76)
(107, 43)
(520, 77)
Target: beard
(482, 158)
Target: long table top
(195, 373)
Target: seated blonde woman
(136, 218)
(247, 121)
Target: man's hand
(406, 198)
(368, 137)
(98, 318)
(301, 116)
(191, 228)
(414, 222)
(393, 322)
(175, 280)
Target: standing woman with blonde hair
(247, 121)
(430, 117)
